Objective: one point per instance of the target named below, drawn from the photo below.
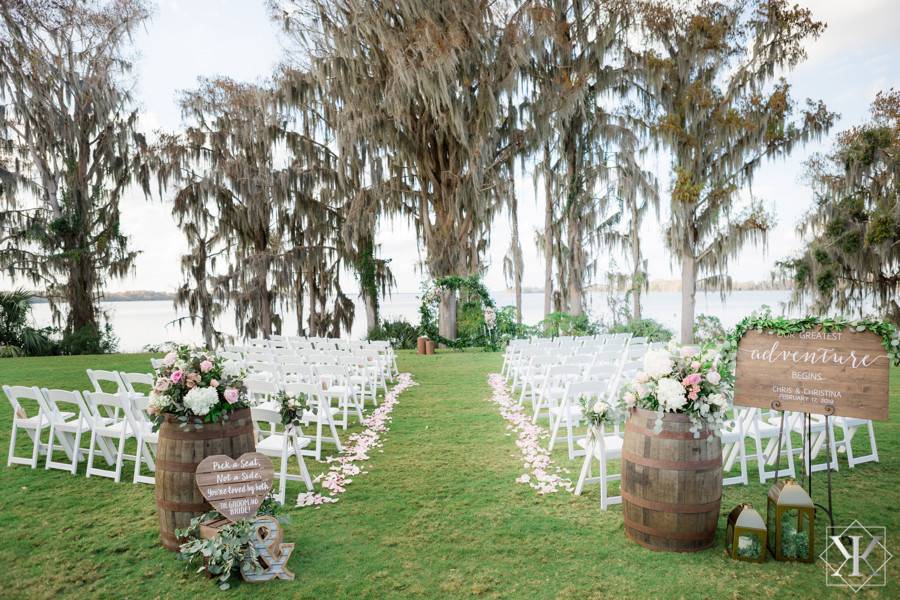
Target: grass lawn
(437, 515)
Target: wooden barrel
(671, 483)
(179, 451)
(421, 341)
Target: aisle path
(440, 514)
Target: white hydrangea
(159, 401)
(657, 363)
(232, 368)
(670, 394)
(200, 399)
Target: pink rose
(693, 394)
(695, 366)
(206, 366)
(162, 384)
(176, 375)
(692, 379)
(169, 359)
(713, 377)
(214, 383)
(232, 395)
(195, 377)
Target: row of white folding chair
(365, 370)
(94, 413)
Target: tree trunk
(80, 290)
(548, 234)
(576, 268)
(688, 295)
(517, 255)
(371, 311)
(637, 275)
(447, 315)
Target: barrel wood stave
(671, 483)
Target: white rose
(200, 399)
(670, 394)
(600, 407)
(169, 359)
(657, 363)
(630, 399)
(713, 377)
(641, 377)
(717, 400)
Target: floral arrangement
(598, 413)
(291, 408)
(196, 383)
(682, 379)
(222, 556)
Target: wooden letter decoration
(235, 487)
(839, 373)
(273, 554)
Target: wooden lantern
(790, 522)
(745, 534)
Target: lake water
(150, 322)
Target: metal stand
(807, 428)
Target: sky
(858, 55)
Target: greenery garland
(431, 297)
(221, 557)
(764, 321)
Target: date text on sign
(840, 373)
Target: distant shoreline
(660, 285)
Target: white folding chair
(147, 439)
(761, 431)
(335, 384)
(553, 388)
(734, 447)
(602, 447)
(849, 426)
(570, 413)
(31, 422)
(66, 426)
(281, 444)
(320, 412)
(116, 431)
(129, 380)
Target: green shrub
(654, 331)
(562, 323)
(7, 351)
(708, 330)
(90, 340)
(401, 334)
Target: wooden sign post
(839, 373)
(236, 489)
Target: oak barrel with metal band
(671, 483)
(180, 450)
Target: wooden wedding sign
(838, 373)
(236, 488)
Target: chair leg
(120, 457)
(90, 462)
(585, 469)
(604, 486)
(49, 458)
(12, 445)
(554, 431)
(304, 472)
